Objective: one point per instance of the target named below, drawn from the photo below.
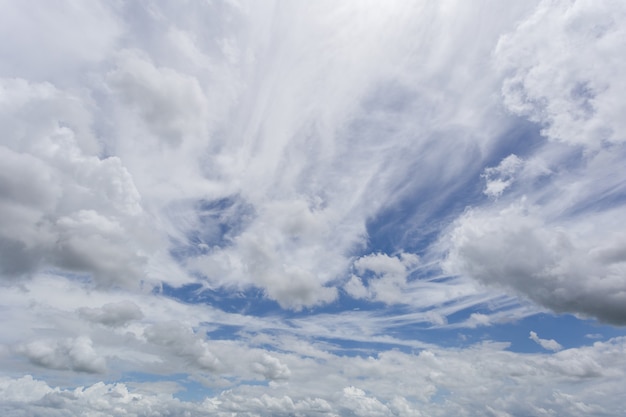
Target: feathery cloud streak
(274, 208)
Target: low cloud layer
(575, 381)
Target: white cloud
(478, 319)
(171, 105)
(70, 354)
(560, 83)
(441, 382)
(42, 41)
(358, 403)
(182, 344)
(557, 265)
(271, 368)
(64, 207)
(280, 148)
(549, 344)
(501, 177)
(389, 281)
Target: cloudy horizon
(271, 208)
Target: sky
(312, 208)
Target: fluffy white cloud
(562, 70)
(64, 207)
(501, 177)
(442, 382)
(388, 282)
(555, 238)
(549, 344)
(307, 151)
(70, 354)
(565, 266)
(171, 105)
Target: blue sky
(271, 208)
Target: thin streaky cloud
(264, 208)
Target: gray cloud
(341, 130)
(113, 314)
(69, 354)
(573, 381)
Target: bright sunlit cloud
(265, 208)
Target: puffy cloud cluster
(562, 70)
(568, 267)
(553, 233)
(70, 354)
(501, 177)
(443, 382)
(62, 206)
(280, 252)
(388, 280)
(310, 152)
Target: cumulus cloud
(271, 368)
(556, 265)
(279, 252)
(171, 105)
(559, 221)
(309, 153)
(388, 279)
(549, 344)
(64, 207)
(572, 381)
(184, 345)
(501, 177)
(559, 83)
(70, 354)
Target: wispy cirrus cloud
(266, 208)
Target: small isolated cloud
(501, 177)
(478, 320)
(550, 344)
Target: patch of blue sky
(224, 332)
(251, 301)
(344, 302)
(254, 302)
(414, 222)
(567, 330)
(440, 396)
(218, 222)
(359, 348)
